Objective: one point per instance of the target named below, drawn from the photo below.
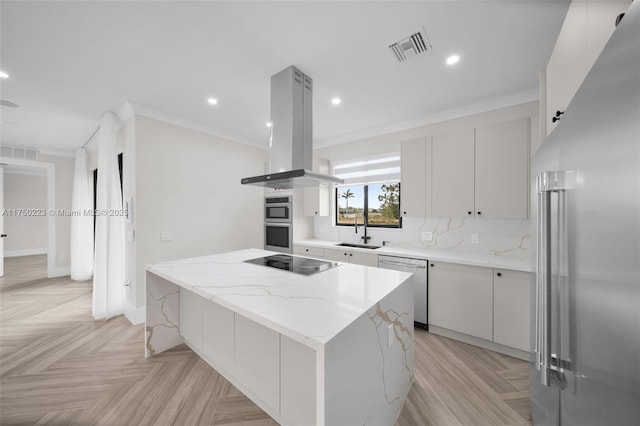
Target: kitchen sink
(364, 246)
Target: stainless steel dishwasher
(418, 267)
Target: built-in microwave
(278, 237)
(278, 209)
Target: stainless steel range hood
(291, 145)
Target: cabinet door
(453, 174)
(567, 64)
(415, 195)
(366, 259)
(601, 18)
(336, 255)
(502, 170)
(585, 31)
(257, 363)
(191, 318)
(316, 198)
(308, 250)
(461, 298)
(297, 383)
(218, 335)
(511, 296)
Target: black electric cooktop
(299, 265)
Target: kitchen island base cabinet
(361, 375)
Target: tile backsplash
(503, 237)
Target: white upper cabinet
(316, 198)
(453, 174)
(501, 170)
(482, 172)
(585, 31)
(415, 187)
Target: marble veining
(519, 252)
(403, 334)
(498, 237)
(514, 257)
(162, 316)
(309, 309)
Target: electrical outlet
(166, 236)
(390, 335)
(427, 236)
(475, 238)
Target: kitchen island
(333, 348)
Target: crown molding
(57, 152)
(171, 119)
(451, 114)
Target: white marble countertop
(309, 309)
(502, 261)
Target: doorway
(34, 235)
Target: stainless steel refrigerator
(586, 213)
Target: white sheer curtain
(82, 224)
(108, 277)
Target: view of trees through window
(379, 202)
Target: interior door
(2, 222)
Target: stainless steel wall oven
(278, 224)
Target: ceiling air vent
(19, 153)
(410, 46)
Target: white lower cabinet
(218, 335)
(191, 318)
(511, 296)
(297, 383)
(269, 367)
(308, 250)
(486, 303)
(461, 298)
(257, 364)
(349, 256)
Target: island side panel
(369, 365)
(162, 323)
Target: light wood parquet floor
(59, 367)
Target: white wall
(26, 235)
(188, 183)
(507, 237)
(127, 135)
(64, 167)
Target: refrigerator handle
(549, 184)
(542, 345)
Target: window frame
(366, 206)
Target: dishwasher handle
(403, 265)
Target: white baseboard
(476, 341)
(25, 252)
(135, 315)
(60, 272)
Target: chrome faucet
(364, 219)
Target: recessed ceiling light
(453, 59)
(4, 74)
(212, 101)
(269, 124)
(336, 101)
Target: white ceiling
(70, 62)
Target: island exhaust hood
(291, 144)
